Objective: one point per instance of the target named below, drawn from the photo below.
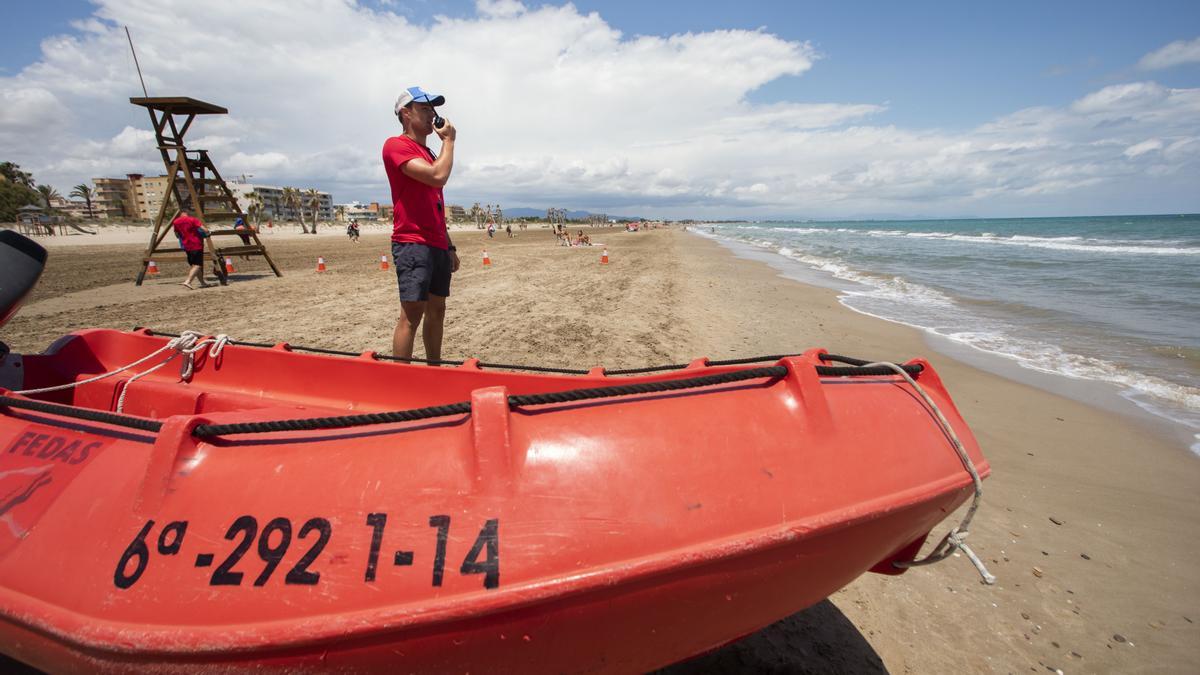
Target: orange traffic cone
(604, 257)
(152, 267)
(320, 264)
(486, 260)
(383, 264)
(229, 265)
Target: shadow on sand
(819, 639)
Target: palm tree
(314, 202)
(49, 194)
(85, 193)
(291, 198)
(254, 204)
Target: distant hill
(524, 212)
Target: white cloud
(129, 143)
(1143, 147)
(557, 108)
(1175, 54)
(26, 110)
(1121, 97)
(499, 8)
(262, 163)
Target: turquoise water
(1114, 299)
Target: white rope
(187, 344)
(956, 537)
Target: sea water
(1113, 299)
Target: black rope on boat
(856, 367)
(855, 371)
(82, 413)
(535, 369)
(402, 359)
(844, 359)
(314, 423)
(647, 369)
(494, 366)
(646, 387)
(205, 430)
(680, 366)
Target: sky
(748, 110)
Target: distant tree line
(17, 189)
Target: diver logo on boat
(21, 494)
(35, 468)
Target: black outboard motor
(21, 263)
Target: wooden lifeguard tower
(196, 185)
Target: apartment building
(273, 205)
(147, 194)
(70, 207)
(357, 211)
(112, 200)
(139, 196)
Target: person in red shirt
(191, 234)
(423, 254)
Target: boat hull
(612, 535)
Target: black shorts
(195, 257)
(421, 270)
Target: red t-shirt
(418, 211)
(186, 228)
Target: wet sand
(1089, 519)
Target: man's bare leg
(406, 328)
(435, 317)
(194, 272)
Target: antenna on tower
(136, 64)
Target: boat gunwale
(596, 377)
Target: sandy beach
(1089, 519)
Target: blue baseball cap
(420, 96)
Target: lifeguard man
(423, 254)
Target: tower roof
(179, 105)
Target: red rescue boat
(264, 510)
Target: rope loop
(955, 539)
(188, 344)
